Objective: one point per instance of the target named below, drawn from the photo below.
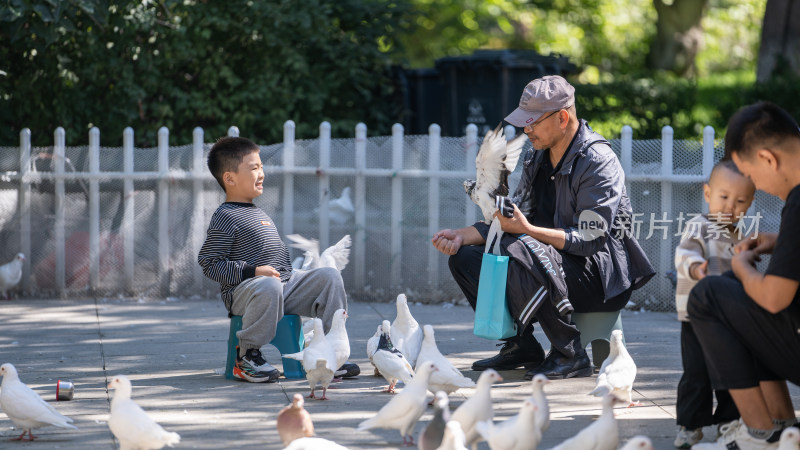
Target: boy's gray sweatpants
(262, 302)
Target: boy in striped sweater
(244, 253)
(706, 248)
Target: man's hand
(698, 271)
(745, 258)
(762, 244)
(517, 225)
(447, 241)
(267, 271)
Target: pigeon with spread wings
(496, 159)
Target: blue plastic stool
(288, 339)
(596, 329)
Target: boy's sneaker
(687, 438)
(735, 437)
(254, 368)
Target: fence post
(665, 252)
(708, 156)
(163, 211)
(233, 131)
(25, 205)
(324, 184)
(509, 132)
(434, 142)
(59, 153)
(360, 242)
(288, 177)
(626, 155)
(396, 253)
(472, 153)
(94, 209)
(198, 212)
(130, 212)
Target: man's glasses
(534, 124)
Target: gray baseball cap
(542, 95)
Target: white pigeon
(341, 209)
(404, 410)
(453, 438)
(132, 427)
(519, 432)
(543, 407)
(602, 434)
(372, 346)
(10, 274)
(638, 443)
(318, 359)
(495, 161)
(313, 443)
(790, 439)
(447, 378)
(390, 362)
(478, 407)
(26, 409)
(336, 256)
(406, 332)
(617, 372)
(337, 337)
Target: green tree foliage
(188, 63)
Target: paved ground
(170, 350)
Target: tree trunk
(780, 40)
(678, 35)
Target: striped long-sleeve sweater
(240, 238)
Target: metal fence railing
(106, 221)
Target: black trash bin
(481, 88)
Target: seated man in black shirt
(572, 176)
(748, 323)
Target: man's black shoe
(559, 367)
(515, 353)
(348, 370)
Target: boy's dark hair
(724, 164)
(226, 155)
(761, 124)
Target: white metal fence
(130, 221)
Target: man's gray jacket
(590, 190)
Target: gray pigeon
(430, 438)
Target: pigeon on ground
(390, 362)
(314, 443)
(430, 438)
(406, 329)
(543, 407)
(294, 421)
(453, 438)
(372, 347)
(519, 432)
(337, 337)
(404, 410)
(478, 407)
(447, 378)
(638, 443)
(341, 209)
(790, 439)
(336, 256)
(617, 372)
(26, 409)
(10, 274)
(495, 161)
(318, 359)
(132, 427)
(602, 434)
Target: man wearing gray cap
(572, 201)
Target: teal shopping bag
(492, 318)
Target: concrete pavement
(171, 350)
